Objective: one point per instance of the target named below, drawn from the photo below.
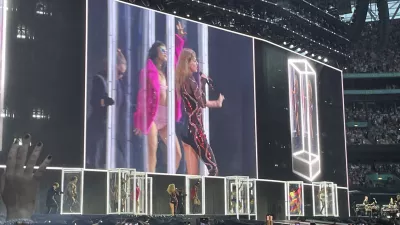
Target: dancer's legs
(152, 143)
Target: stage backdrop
(300, 120)
(42, 90)
(136, 111)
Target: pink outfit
(149, 97)
(161, 119)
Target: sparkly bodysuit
(194, 101)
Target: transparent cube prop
(237, 195)
(324, 199)
(195, 195)
(143, 194)
(295, 198)
(303, 99)
(253, 197)
(336, 200)
(72, 181)
(121, 191)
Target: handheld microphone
(209, 81)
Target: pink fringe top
(149, 96)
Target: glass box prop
(121, 191)
(324, 199)
(303, 99)
(72, 181)
(237, 195)
(143, 194)
(336, 200)
(195, 195)
(253, 197)
(294, 198)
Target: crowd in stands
(366, 55)
(360, 174)
(382, 124)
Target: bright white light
(319, 57)
(291, 46)
(325, 60)
(298, 49)
(199, 18)
(284, 43)
(305, 150)
(312, 55)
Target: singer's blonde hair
(171, 189)
(182, 71)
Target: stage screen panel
(180, 97)
(300, 117)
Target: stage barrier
(324, 198)
(295, 198)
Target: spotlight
(298, 49)
(174, 12)
(187, 15)
(312, 55)
(306, 52)
(319, 57)
(291, 46)
(199, 18)
(325, 60)
(284, 43)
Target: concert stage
(292, 164)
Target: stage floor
(160, 219)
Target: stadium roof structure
(372, 15)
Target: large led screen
(299, 117)
(167, 95)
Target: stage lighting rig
(259, 18)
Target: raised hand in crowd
(20, 182)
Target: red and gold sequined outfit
(194, 101)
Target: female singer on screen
(194, 101)
(151, 116)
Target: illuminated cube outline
(312, 171)
(287, 191)
(335, 209)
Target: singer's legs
(152, 144)
(172, 208)
(192, 160)
(200, 145)
(178, 154)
